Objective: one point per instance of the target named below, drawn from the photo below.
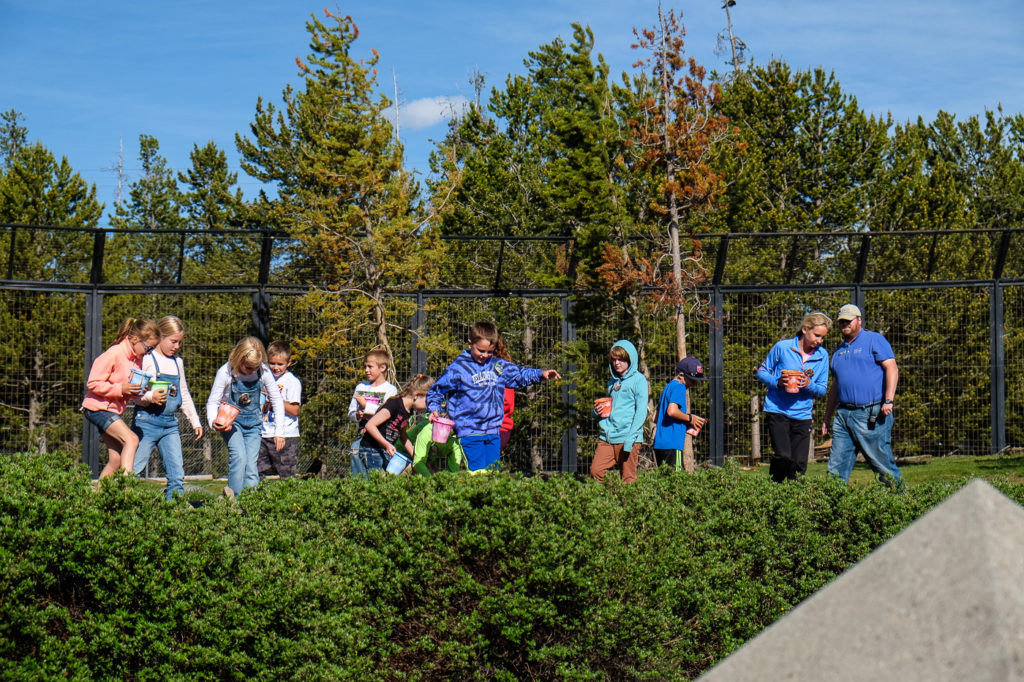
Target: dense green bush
(496, 577)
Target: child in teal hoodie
(622, 431)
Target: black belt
(848, 406)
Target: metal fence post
(997, 368)
(93, 346)
(260, 298)
(717, 366)
(570, 452)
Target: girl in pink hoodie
(108, 390)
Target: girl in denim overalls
(156, 418)
(239, 382)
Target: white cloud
(429, 111)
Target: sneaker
(229, 493)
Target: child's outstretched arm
(519, 377)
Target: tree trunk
(35, 438)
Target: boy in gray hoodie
(622, 431)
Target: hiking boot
(229, 493)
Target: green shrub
(453, 577)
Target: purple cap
(691, 368)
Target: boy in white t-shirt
(368, 396)
(286, 460)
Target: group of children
(475, 393)
(255, 403)
(143, 367)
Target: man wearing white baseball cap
(861, 399)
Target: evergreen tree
(40, 369)
(12, 137)
(154, 205)
(211, 201)
(811, 156)
(341, 188)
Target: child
(448, 454)
(386, 429)
(622, 430)
(674, 416)
(285, 461)
(108, 390)
(376, 364)
(239, 382)
(156, 420)
(473, 387)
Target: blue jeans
(851, 432)
(366, 458)
(164, 434)
(243, 454)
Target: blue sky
(91, 76)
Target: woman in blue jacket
(788, 414)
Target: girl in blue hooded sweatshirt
(472, 389)
(622, 430)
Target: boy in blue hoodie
(473, 387)
(622, 430)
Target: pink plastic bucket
(441, 429)
(694, 431)
(372, 403)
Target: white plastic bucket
(398, 463)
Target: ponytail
(139, 327)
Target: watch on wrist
(887, 402)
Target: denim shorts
(101, 418)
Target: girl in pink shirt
(108, 390)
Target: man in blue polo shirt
(861, 400)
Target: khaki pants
(610, 456)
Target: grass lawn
(1010, 466)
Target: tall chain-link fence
(957, 330)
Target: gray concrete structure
(943, 600)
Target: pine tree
(211, 200)
(341, 188)
(38, 190)
(154, 205)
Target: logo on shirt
(488, 378)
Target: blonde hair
(248, 351)
(618, 353)
(382, 356)
(169, 325)
(139, 327)
(420, 383)
(812, 320)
